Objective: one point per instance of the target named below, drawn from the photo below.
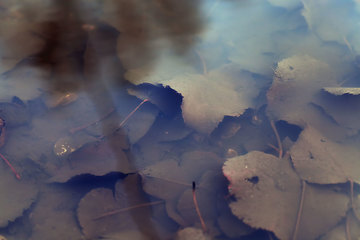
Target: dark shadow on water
(80, 52)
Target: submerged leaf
(97, 158)
(268, 196)
(16, 196)
(320, 160)
(168, 180)
(100, 213)
(207, 98)
(53, 215)
(267, 192)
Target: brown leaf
(168, 180)
(267, 192)
(296, 83)
(320, 160)
(16, 196)
(53, 215)
(97, 158)
(94, 208)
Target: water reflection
(241, 80)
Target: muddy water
(179, 120)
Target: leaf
(53, 215)
(191, 233)
(208, 186)
(294, 91)
(94, 208)
(323, 209)
(168, 179)
(343, 105)
(97, 158)
(229, 91)
(339, 232)
(317, 15)
(338, 91)
(267, 192)
(14, 114)
(16, 196)
(319, 160)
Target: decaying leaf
(268, 196)
(347, 229)
(323, 209)
(96, 211)
(338, 91)
(192, 233)
(169, 179)
(228, 91)
(297, 79)
(267, 192)
(209, 184)
(16, 196)
(320, 160)
(326, 27)
(97, 158)
(294, 91)
(343, 105)
(14, 114)
(53, 216)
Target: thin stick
(277, 138)
(273, 147)
(352, 198)
(11, 167)
(202, 62)
(197, 208)
(132, 113)
(169, 180)
(300, 210)
(347, 228)
(76, 129)
(127, 209)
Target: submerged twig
(132, 113)
(300, 210)
(347, 228)
(202, 62)
(127, 209)
(352, 198)
(76, 129)
(197, 208)
(277, 138)
(17, 175)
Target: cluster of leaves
(276, 150)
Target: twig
(17, 175)
(202, 62)
(273, 147)
(197, 208)
(127, 209)
(277, 138)
(132, 113)
(300, 210)
(352, 203)
(347, 228)
(76, 129)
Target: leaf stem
(17, 175)
(132, 112)
(197, 208)
(277, 138)
(300, 210)
(127, 209)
